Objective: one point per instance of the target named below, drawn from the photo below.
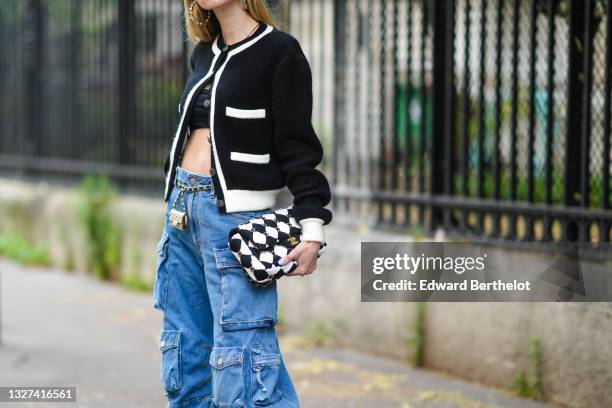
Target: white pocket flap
(250, 158)
(245, 113)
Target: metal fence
(489, 118)
(89, 85)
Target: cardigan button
(213, 172)
(220, 203)
(225, 47)
(207, 103)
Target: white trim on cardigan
(250, 158)
(247, 44)
(250, 200)
(312, 229)
(245, 113)
(215, 47)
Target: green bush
(136, 282)
(20, 249)
(531, 386)
(417, 342)
(319, 333)
(103, 236)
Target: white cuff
(312, 229)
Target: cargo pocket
(170, 347)
(265, 363)
(160, 285)
(244, 305)
(228, 381)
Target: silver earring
(245, 5)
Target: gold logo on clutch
(292, 240)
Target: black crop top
(200, 116)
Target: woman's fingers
(306, 260)
(292, 255)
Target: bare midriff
(196, 156)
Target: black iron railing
(486, 118)
(489, 118)
(89, 85)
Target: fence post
(74, 67)
(575, 87)
(339, 88)
(35, 61)
(443, 91)
(127, 78)
(4, 63)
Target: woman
(244, 133)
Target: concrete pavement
(63, 328)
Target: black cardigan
(260, 124)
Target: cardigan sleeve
(297, 146)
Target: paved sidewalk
(70, 329)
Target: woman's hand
(305, 253)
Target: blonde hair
(257, 9)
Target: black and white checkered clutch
(261, 242)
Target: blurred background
(485, 120)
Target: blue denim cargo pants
(218, 342)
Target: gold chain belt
(180, 219)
